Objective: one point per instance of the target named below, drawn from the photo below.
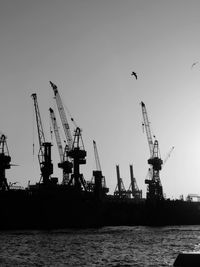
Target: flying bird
(133, 73)
(195, 63)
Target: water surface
(109, 246)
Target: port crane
(120, 190)
(75, 148)
(44, 155)
(133, 188)
(64, 163)
(4, 163)
(78, 155)
(154, 189)
(99, 179)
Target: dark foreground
(64, 207)
(108, 246)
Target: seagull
(195, 63)
(133, 73)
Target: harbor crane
(64, 163)
(99, 179)
(4, 163)
(154, 189)
(44, 154)
(136, 193)
(78, 155)
(120, 190)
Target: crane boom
(147, 128)
(39, 121)
(57, 135)
(98, 165)
(168, 155)
(63, 116)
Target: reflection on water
(109, 246)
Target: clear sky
(89, 48)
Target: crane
(78, 155)
(99, 179)
(63, 116)
(44, 155)
(64, 163)
(4, 162)
(154, 190)
(120, 190)
(136, 193)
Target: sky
(89, 49)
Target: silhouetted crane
(154, 190)
(64, 163)
(44, 154)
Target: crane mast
(64, 164)
(154, 189)
(63, 116)
(44, 154)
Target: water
(109, 246)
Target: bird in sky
(195, 63)
(133, 73)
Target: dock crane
(44, 154)
(78, 155)
(99, 179)
(4, 163)
(64, 163)
(154, 189)
(136, 193)
(120, 190)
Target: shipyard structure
(76, 202)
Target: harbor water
(108, 246)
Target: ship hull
(64, 207)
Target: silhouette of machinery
(154, 188)
(65, 164)
(44, 154)
(74, 153)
